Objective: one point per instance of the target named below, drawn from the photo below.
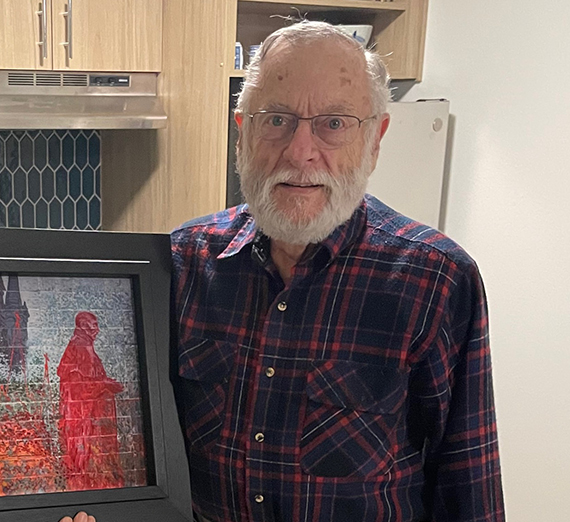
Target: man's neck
(285, 256)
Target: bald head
(319, 40)
(87, 325)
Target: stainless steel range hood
(71, 100)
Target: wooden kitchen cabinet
(81, 35)
(153, 181)
(398, 26)
(107, 35)
(25, 34)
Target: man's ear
(238, 118)
(382, 128)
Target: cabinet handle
(43, 20)
(69, 18)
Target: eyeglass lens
(334, 130)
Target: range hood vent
(77, 100)
(47, 79)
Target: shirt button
(270, 372)
(282, 306)
(259, 499)
(259, 437)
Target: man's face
(91, 327)
(300, 188)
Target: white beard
(298, 225)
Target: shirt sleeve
(452, 412)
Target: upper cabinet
(25, 34)
(398, 26)
(114, 35)
(81, 35)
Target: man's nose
(302, 149)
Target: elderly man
(333, 355)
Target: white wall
(505, 67)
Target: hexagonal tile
(81, 217)
(14, 214)
(20, 189)
(5, 186)
(3, 220)
(34, 185)
(54, 151)
(40, 152)
(12, 150)
(55, 214)
(81, 150)
(98, 182)
(68, 151)
(74, 182)
(94, 151)
(2, 154)
(48, 188)
(41, 214)
(68, 214)
(26, 153)
(95, 214)
(28, 214)
(61, 188)
(88, 185)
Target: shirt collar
(345, 234)
(341, 237)
(244, 236)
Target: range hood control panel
(109, 80)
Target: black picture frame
(146, 259)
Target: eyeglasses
(335, 130)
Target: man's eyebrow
(345, 108)
(278, 107)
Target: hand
(80, 517)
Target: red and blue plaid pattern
(360, 392)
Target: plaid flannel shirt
(359, 392)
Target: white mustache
(303, 178)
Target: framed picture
(87, 415)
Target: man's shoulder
(219, 224)
(389, 228)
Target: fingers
(80, 517)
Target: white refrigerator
(409, 174)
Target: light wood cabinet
(154, 180)
(25, 34)
(109, 35)
(398, 26)
(81, 35)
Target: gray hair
(306, 31)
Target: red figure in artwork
(88, 416)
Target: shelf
(284, 7)
(237, 73)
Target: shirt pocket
(204, 365)
(352, 413)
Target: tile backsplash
(50, 179)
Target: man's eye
(334, 124)
(277, 121)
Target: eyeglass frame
(311, 119)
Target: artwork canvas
(87, 414)
(70, 399)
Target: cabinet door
(154, 180)
(107, 35)
(25, 34)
